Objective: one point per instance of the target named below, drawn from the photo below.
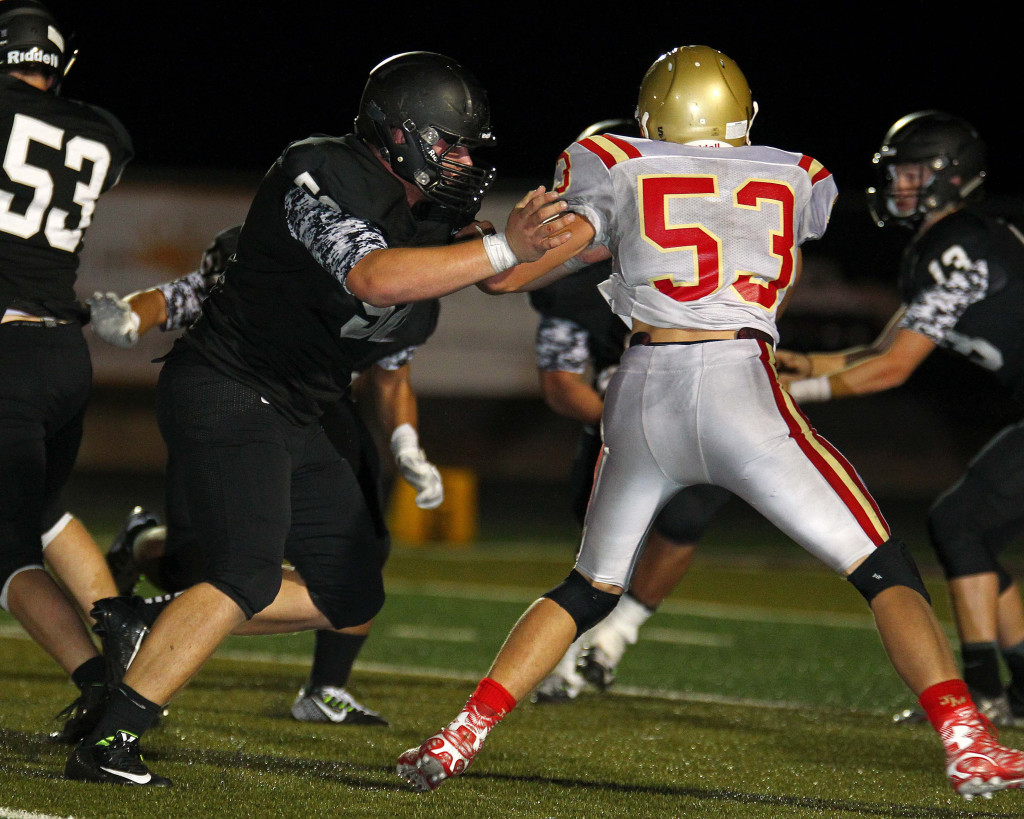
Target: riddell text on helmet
(33, 55)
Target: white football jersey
(702, 238)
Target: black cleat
(121, 630)
(596, 668)
(121, 556)
(116, 760)
(82, 715)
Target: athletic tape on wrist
(811, 389)
(499, 252)
(404, 440)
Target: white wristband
(404, 439)
(811, 389)
(499, 253)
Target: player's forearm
(571, 397)
(552, 266)
(400, 275)
(872, 375)
(150, 307)
(394, 399)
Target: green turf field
(759, 690)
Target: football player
(175, 562)
(962, 283)
(338, 243)
(704, 229)
(60, 155)
(576, 332)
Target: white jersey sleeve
(702, 238)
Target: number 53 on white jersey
(702, 238)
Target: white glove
(113, 320)
(412, 462)
(809, 390)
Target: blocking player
(337, 245)
(60, 155)
(962, 282)
(576, 332)
(175, 562)
(705, 230)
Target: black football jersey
(419, 325)
(576, 299)
(59, 156)
(962, 284)
(281, 319)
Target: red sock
(494, 695)
(941, 700)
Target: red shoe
(975, 763)
(448, 752)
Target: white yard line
(11, 813)
(678, 637)
(718, 611)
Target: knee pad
(251, 592)
(889, 565)
(343, 607)
(586, 605)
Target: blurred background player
(962, 284)
(170, 557)
(60, 155)
(705, 231)
(334, 250)
(579, 342)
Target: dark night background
(225, 85)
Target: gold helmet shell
(696, 95)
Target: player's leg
(969, 525)
(667, 555)
(324, 696)
(825, 508)
(40, 431)
(565, 682)
(73, 556)
(237, 453)
(629, 489)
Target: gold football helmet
(696, 95)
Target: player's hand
(538, 223)
(113, 320)
(412, 463)
(792, 365)
(422, 476)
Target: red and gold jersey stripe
(611, 150)
(814, 168)
(829, 462)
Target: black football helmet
(215, 257)
(428, 97)
(947, 146)
(31, 38)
